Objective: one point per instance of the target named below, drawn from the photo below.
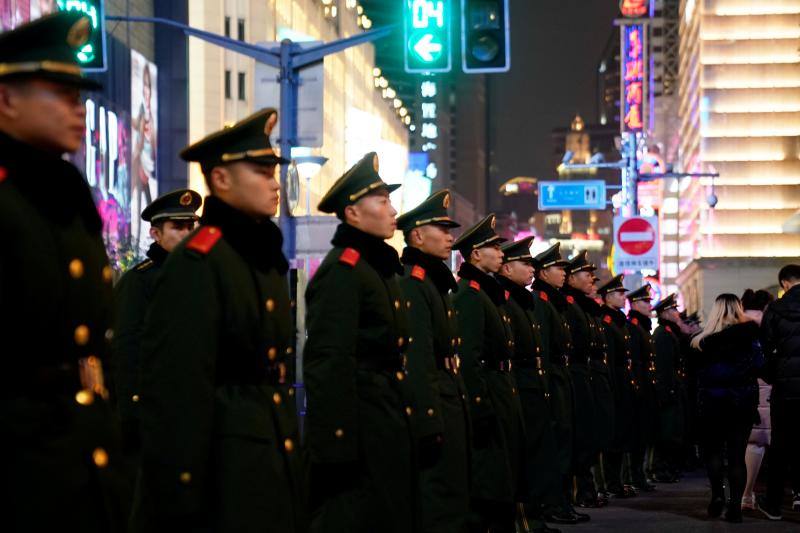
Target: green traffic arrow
(426, 48)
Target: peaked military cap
(175, 205)
(432, 210)
(518, 250)
(480, 235)
(669, 302)
(612, 285)
(549, 258)
(642, 293)
(247, 140)
(47, 48)
(360, 180)
(580, 263)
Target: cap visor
(446, 224)
(268, 160)
(59, 77)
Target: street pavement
(678, 507)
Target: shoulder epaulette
(474, 285)
(669, 329)
(570, 299)
(350, 256)
(635, 321)
(543, 296)
(607, 319)
(418, 273)
(507, 295)
(204, 240)
(144, 265)
(3, 174)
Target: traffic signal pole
(289, 58)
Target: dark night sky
(555, 47)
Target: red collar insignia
(543, 296)
(607, 319)
(570, 299)
(204, 240)
(474, 285)
(3, 174)
(350, 256)
(507, 294)
(669, 329)
(418, 272)
(635, 321)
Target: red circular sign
(636, 236)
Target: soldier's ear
(351, 215)
(221, 179)
(9, 96)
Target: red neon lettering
(633, 8)
(633, 93)
(634, 118)
(634, 44)
(634, 70)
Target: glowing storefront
(740, 116)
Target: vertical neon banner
(634, 69)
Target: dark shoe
(733, 515)
(582, 517)
(644, 487)
(545, 529)
(715, 507)
(561, 517)
(588, 503)
(795, 500)
(602, 498)
(770, 513)
(630, 491)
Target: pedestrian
(172, 217)
(780, 328)
(486, 351)
(728, 360)
(550, 307)
(358, 422)
(542, 481)
(220, 440)
(668, 393)
(623, 381)
(60, 438)
(754, 303)
(441, 411)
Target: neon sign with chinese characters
(634, 78)
(634, 8)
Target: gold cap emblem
(78, 34)
(375, 163)
(270, 125)
(446, 201)
(492, 223)
(186, 199)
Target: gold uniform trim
(487, 241)
(249, 153)
(372, 186)
(432, 220)
(35, 66)
(518, 258)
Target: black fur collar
(645, 321)
(520, 294)
(374, 250)
(257, 241)
(157, 254)
(554, 296)
(434, 267)
(488, 283)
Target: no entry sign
(635, 243)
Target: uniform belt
(502, 365)
(448, 363)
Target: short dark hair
(789, 273)
(206, 169)
(756, 300)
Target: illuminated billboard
(634, 77)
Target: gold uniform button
(100, 457)
(185, 477)
(109, 335)
(452, 342)
(408, 304)
(82, 335)
(108, 274)
(289, 350)
(272, 353)
(400, 342)
(410, 340)
(339, 433)
(397, 304)
(409, 411)
(276, 397)
(135, 398)
(288, 445)
(460, 341)
(449, 314)
(84, 397)
(291, 392)
(477, 399)
(76, 269)
(430, 412)
(270, 305)
(400, 376)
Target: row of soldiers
(170, 404)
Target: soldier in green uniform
(172, 217)
(542, 477)
(549, 308)
(668, 391)
(643, 357)
(591, 413)
(619, 355)
(60, 439)
(358, 426)
(441, 412)
(218, 419)
(485, 354)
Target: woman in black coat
(729, 359)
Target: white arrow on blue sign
(556, 195)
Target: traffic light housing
(485, 36)
(427, 42)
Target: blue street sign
(555, 195)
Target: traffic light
(427, 35)
(92, 55)
(485, 36)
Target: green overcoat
(619, 358)
(668, 386)
(643, 356)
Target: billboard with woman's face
(144, 133)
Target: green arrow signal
(427, 48)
